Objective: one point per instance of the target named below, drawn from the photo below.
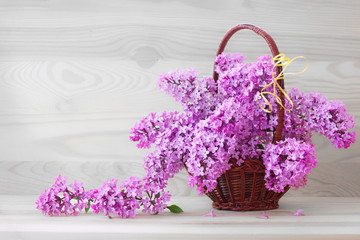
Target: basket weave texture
(242, 188)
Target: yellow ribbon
(280, 60)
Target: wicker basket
(242, 188)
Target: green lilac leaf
(87, 209)
(175, 209)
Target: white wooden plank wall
(76, 75)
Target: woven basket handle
(274, 51)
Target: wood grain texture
(326, 218)
(174, 29)
(76, 75)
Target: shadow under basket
(242, 188)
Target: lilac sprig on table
(61, 198)
(111, 199)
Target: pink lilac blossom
(155, 199)
(288, 163)
(223, 121)
(197, 97)
(167, 132)
(132, 194)
(61, 198)
(244, 79)
(216, 141)
(226, 61)
(211, 214)
(313, 112)
(299, 212)
(111, 199)
(264, 215)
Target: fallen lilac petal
(212, 214)
(299, 213)
(264, 215)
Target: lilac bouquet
(222, 121)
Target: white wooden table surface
(326, 218)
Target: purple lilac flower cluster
(198, 97)
(167, 132)
(61, 198)
(313, 112)
(223, 121)
(117, 200)
(111, 199)
(288, 163)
